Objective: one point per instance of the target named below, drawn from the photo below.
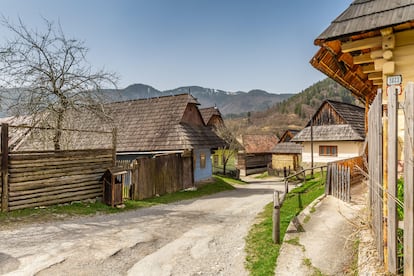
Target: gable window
(202, 160)
(328, 150)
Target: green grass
(85, 208)
(261, 252)
(262, 175)
(229, 180)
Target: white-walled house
(338, 131)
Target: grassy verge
(261, 252)
(86, 208)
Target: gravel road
(194, 237)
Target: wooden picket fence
(383, 174)
(40, 178)
(342, 174)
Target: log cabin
(286, 154)
(256, 154)
(338, 133)
(369, 49)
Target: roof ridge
(152, 98)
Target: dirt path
(195, 237)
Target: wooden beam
(378, 64)
(376, 54)
(375, 76)
(366, 43)
(404, 38)
(388, 42)
(387, 55)
(377, 82)
(388, 68)
(364, 58)
(369, 68)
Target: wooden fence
(375, 172)
(39, 178)
(383, 173)
(160, 175)
(342, 174)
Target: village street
(195, 237)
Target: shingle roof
(209, 112)
(154, 124)
(288, 135)
(287, 148)
(259, 143)
(329, 133)
(352, 114)
(366, 15)
(353, 127)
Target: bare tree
(48, 74)
(232, 145)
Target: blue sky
(234, 45)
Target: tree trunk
(58, 131)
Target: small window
(328, 150)
(202, 160)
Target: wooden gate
(161, 175)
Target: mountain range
(229, 103)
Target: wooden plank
(363, 58)
(392, 179)
(366, 43)
(409, 181)
(369, 68)
(375, 76)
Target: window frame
(328, 150)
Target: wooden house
(256, 154)
(147, 128)
(286, 154)
(224, 159)
(336, 131)
(369, 49)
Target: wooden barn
(369, 49)
(287, 156)
(257, 153)
(336, 131)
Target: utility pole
(311, 133)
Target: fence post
(392, 179)
(114, 141)
(5, 167)
(408, 181)
(276, 217)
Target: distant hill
(293, 112)
(229, 103)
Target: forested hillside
(290, 113)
